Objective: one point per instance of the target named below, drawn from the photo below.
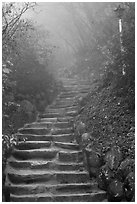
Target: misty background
(77, 30)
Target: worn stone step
(56, 119)
(45, 165)
(58, 138)
(72, 83)
(74, 92)
(70, 94)
(71, 146)
(65, 105)
(33, 145)
(48, 125)
(75, 81)
(58, 115)
(51, 115)
(64, 138)
(79, 88)
(36, 131)
(68, 101)
(52, 109)
(46, 154)
(81, 197)
(33, 137)
(57, 189)
(56, 177)
(70, 166)
(45, 131)
(58, 131)
(70, 157)
(28, 145)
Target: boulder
(93, 158)
(129, 184)
(126, 166)
(115, 191)
(105, 177)
(86, 138)
(80, 127)
(113, 157)
(93, 172)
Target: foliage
(109, 122)
(98, 49)
(109, 114)
(27, 85)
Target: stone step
(45, 131)
(84, 84)
(71, 146)
(64, 138)
(65, 100)
(37, 131)
(72, 98)
(48, 125)
(32, 145)
(57, 131)
(72, 95)
(57, 138)
(65, 105)
(54, 177)
(58, 115)
(26, 145)
(47, 154)
(65, 95)
(61, 103)
(52, 109)
(75, 91)
(57, 189)
(79, 88)
(81, 197)
(44, 165)
(65, 156)
(47, 165)
(56, 119)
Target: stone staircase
(47, 164)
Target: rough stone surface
(47, 164)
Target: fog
(75, 29)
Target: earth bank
(105, 129)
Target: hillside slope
(107, 116)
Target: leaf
(6, 70)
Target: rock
(129, 184)
(93, 158)
(79, 130)
(126, 166)
(113, 157)
(86, 139)
(133, 199)
(115, 191)
(93, 172)
(105, 177)
(80, 127)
